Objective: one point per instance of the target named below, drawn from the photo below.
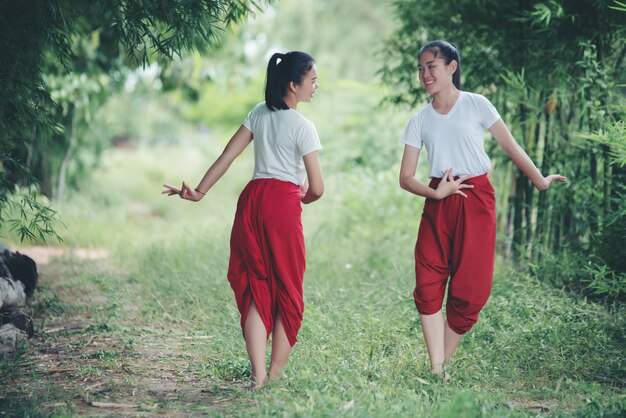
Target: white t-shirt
(454, 140)
(281, 139)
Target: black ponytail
(449, 53)
(283, 69)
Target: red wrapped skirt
(267, 254)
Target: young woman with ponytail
(457, 233)
(267, 258)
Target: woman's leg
(280, 349)
(441, 342)
(451, 341)
(434, 335)
(256, 342)
(432, 255)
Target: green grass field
(151, 328)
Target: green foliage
(26, 30)
(223, 104)
(297, 25)
(610, 241)
(163, 294)
(29, 217)
(605, 277)
(588, 275)
(541, 37)
(606, 283)
(595, 408)
(618, 6)
(64, 40)
(610, 137)
(553, 70)
(536, 350)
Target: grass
(153, 329)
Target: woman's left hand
(547, 181)
(303, 188)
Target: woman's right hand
(185, 192)
(546, 182)
(449, 186)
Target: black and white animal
(18, 280)
(19, 320)
(22, 268)
(12, 294)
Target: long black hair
(449, 53)
(282, 70)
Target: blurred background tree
(60, 60)
(72, 87)
(554, 69)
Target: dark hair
(449, 53)
(282, 70)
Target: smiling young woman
(267, 254)
(457, 233)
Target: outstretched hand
(547, 181)
(449, 186)
(185, 192)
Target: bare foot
(254, 384)
(443, 375)
(440, 371)
(274, 376)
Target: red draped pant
(456, 240)
(267, 254)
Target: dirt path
(74, 365)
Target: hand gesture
(185, 192)
(449, 186)
(547, 181)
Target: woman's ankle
(257, 382)
(274, 375)
(438, 367)
(276, 371)
(259, 378)
(436, 370)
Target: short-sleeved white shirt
(281, 139)
(454, 140)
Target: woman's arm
(408, 182)
(504, 138)
(315, 179)
(233, 149)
